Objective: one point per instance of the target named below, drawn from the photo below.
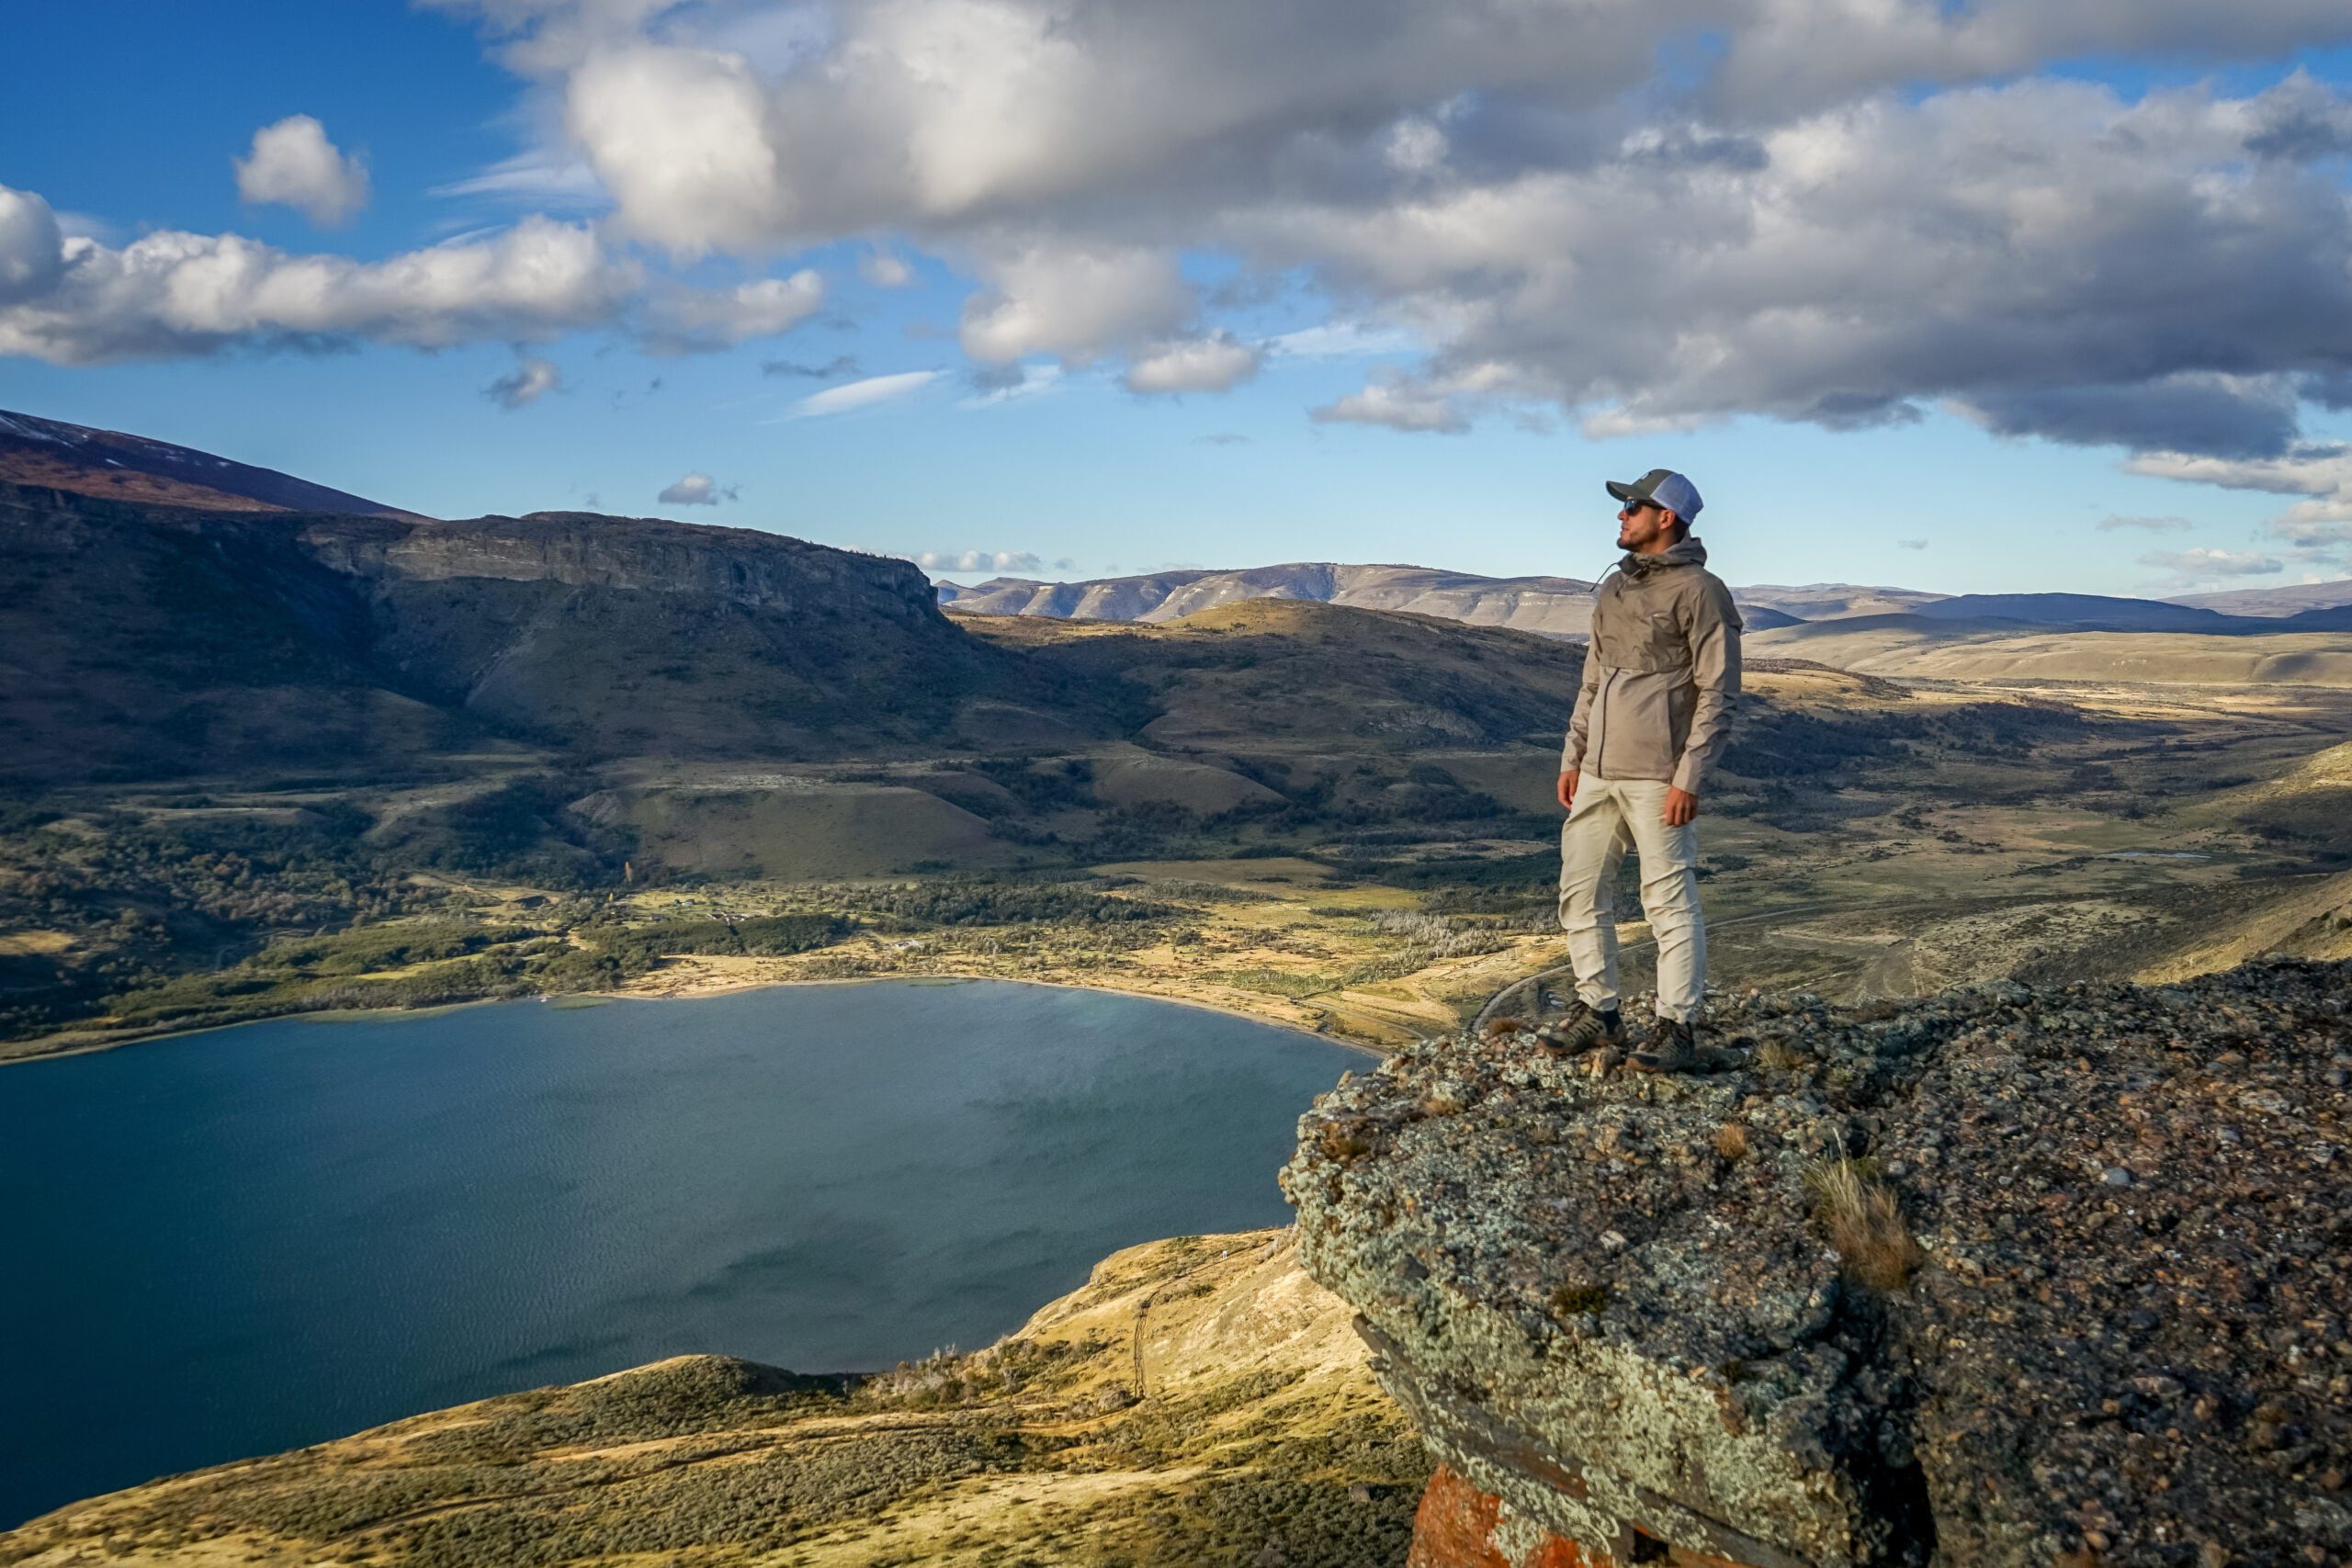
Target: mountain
(2243, 651)
(106, 462)
(2080, 612)
(1554, 606)
(145, 641)
(2282, 601)
(1559, 606)
(1828, 601)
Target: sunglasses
(1635, 508)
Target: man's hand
(1567, 789)
(1681, 806)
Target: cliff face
(1994, 1277)
(143, 640)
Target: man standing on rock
(1661, 674)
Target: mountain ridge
(113, 465)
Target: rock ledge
(2102, 1317)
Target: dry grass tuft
(1782, 1055)
(1731, 1141)
(1864, 1222)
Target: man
(1661, 674)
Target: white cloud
(1216, 362)
(1343, 340)
(32, 246)
(2196, 565)
(853, 395)
(980, 561)
(171, 294)
(884, 270)
(2110, 523)
(1912, 544)
(1073, 301)
(292, 163)
(678, 320)
(697, 490)
(538, 176)
(531, 380)
(1399, 406)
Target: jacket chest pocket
(1631, 635)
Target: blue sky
(135, 118)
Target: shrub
(1858, 1212)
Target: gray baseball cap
(1664, 487)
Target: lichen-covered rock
(2102, 1308)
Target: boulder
(1995, 1277)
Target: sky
(1997, 297)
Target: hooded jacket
(1661, 671)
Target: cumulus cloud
(981, 560)
(884, 270)
(292, 163)
(1216, 362)
(1072, 302)
(1872, 208)
(531, 380)
(2317, 530)
(2198, 565)
(697, 490)
(678, 320)
(170, 293)
(1399, 406)
(852, 396)
(2112, 522)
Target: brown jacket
(1661, 673)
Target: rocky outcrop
(2004, 1276)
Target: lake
(247, 1240)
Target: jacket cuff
(1687, 775)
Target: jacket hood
(1689, 552)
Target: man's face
(1641, 524)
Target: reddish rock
(1455, 1528)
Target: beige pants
(1609, 817)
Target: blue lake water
(238, 1242)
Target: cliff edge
(2002, 1275)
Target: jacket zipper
(1602, 718)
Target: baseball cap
(1666, 488)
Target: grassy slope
(1261, 1426)
(1918, 647)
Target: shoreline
(704, 986)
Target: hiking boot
(1584, 1028)
(1672, 1047)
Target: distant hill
(2282, 601)
(1554, 606)
(145, 641)
(1827, 600)
(1559, 606)
(49, 452)
(1990, 649)
(2088, 611)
